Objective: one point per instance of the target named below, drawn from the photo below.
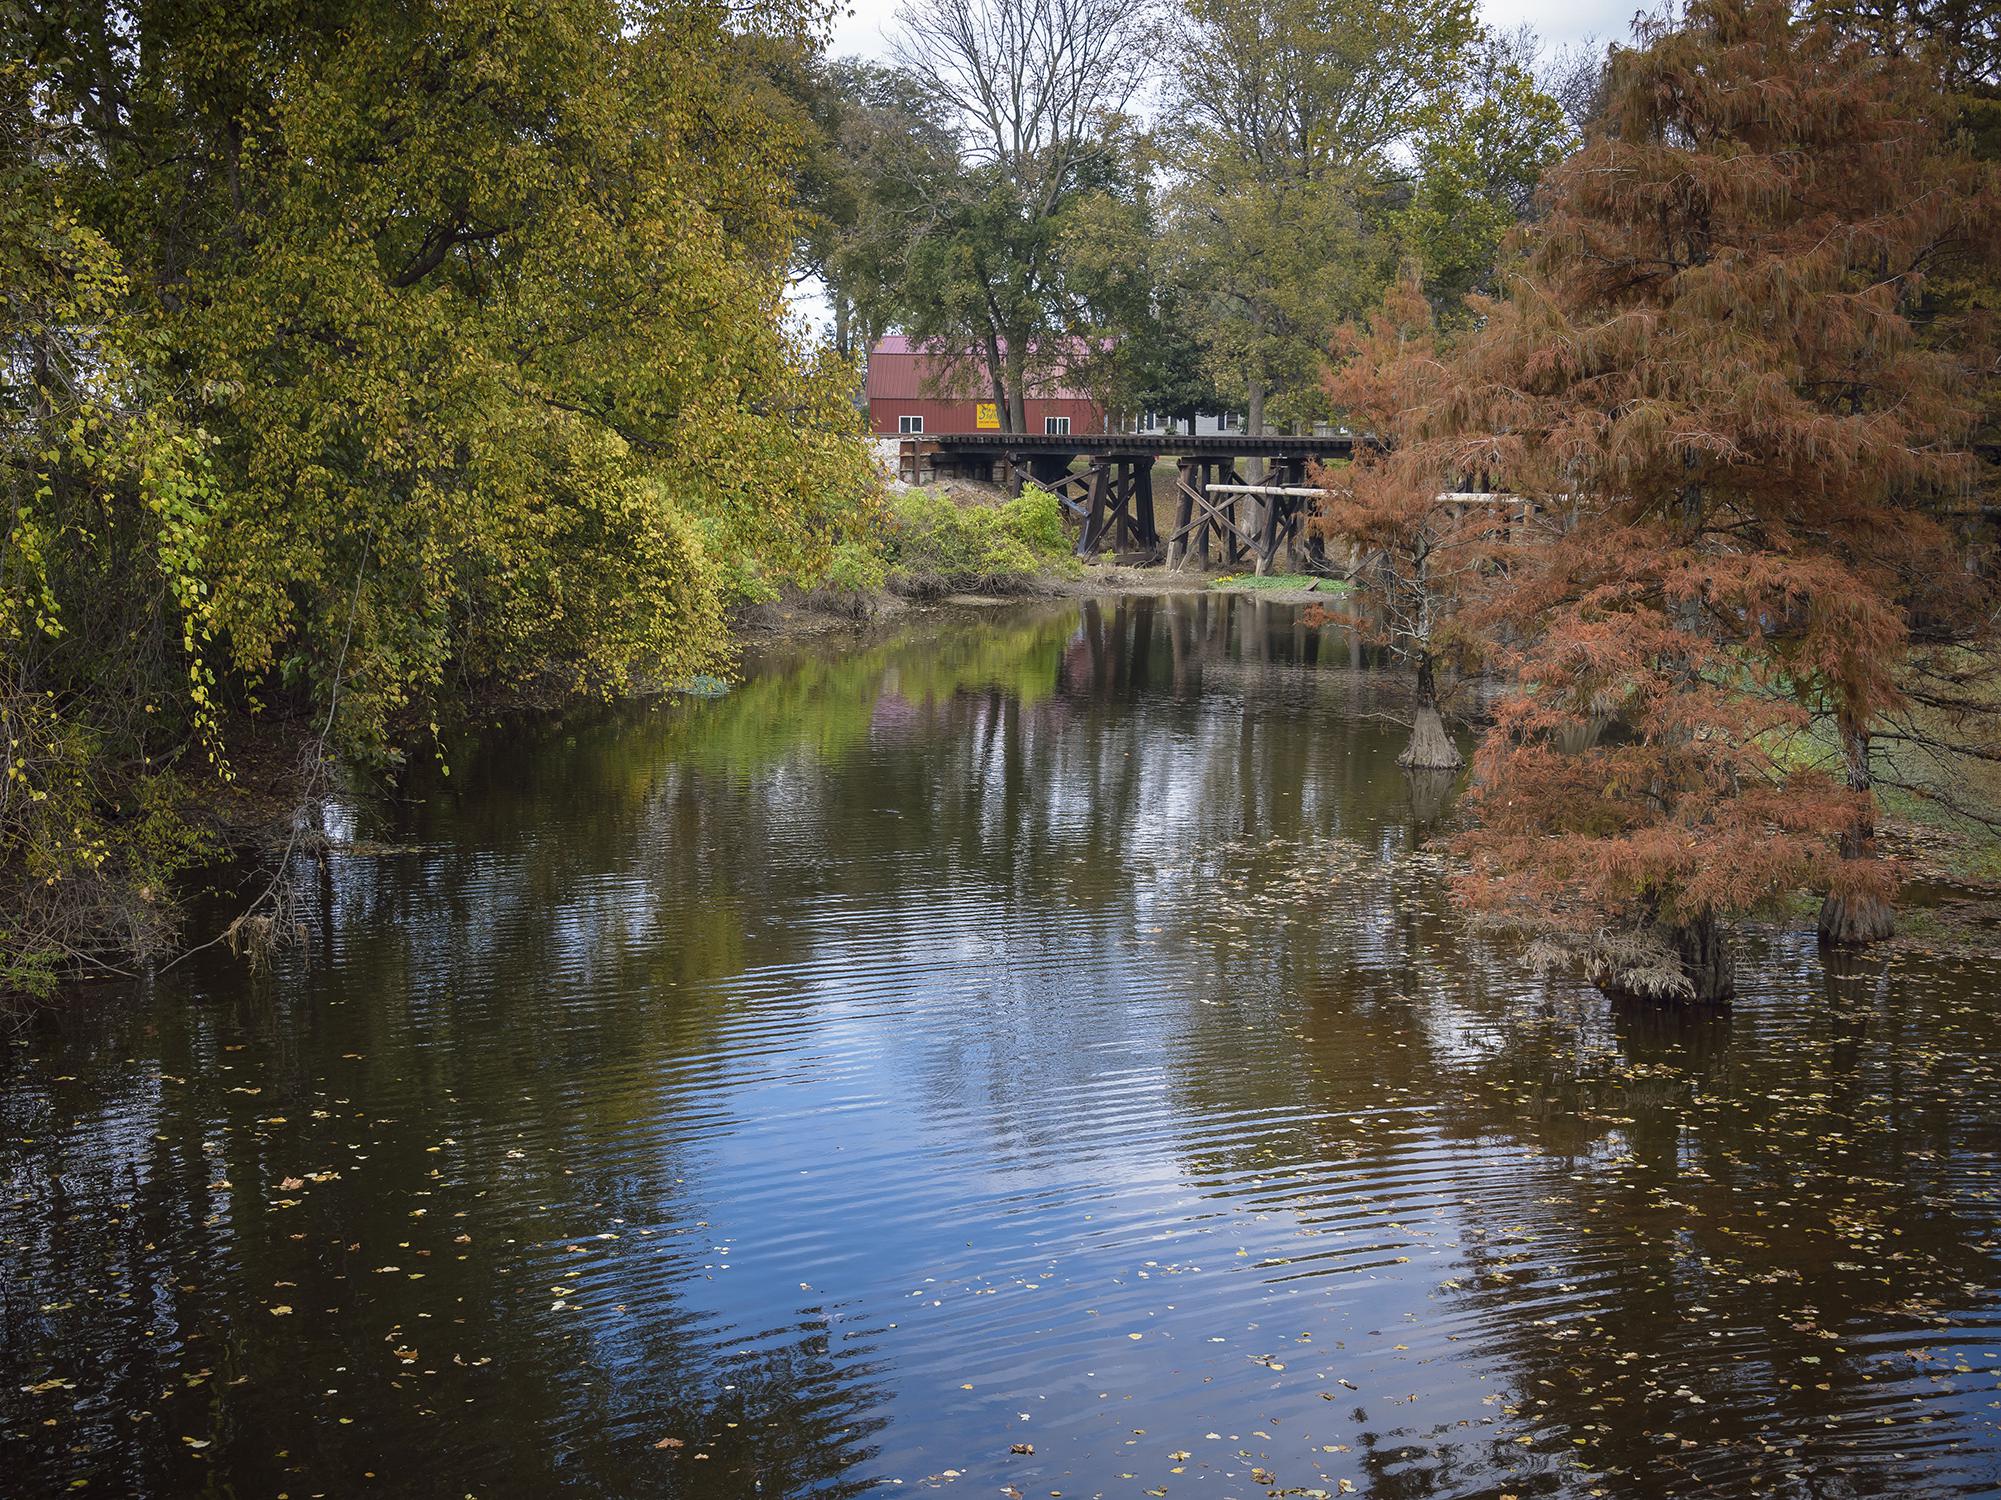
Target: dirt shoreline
(820, 613)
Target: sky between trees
(865, 28)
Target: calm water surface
(1029, 1054)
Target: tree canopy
(372, 359)
(1722, 379)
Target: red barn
(926, 388)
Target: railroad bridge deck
(1219, 513)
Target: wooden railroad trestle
(1219, 516)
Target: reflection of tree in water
(497, 967)
(1699, 1245)
(161, 1248)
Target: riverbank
(821, 610)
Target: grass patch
(1297, 583)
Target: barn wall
(960, 416)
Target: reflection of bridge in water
(1220, 514)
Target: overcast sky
(863, 32)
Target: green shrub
(938, 545)
(1035, 519)
(856, 567)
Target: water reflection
(1041, 1029)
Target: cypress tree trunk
(1705, 960)
(1852, 915)
(1430, 747)
(1698, 952)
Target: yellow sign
(986, 416)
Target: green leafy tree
(107, 687)
(880, 159)
(1285, 121)
(1477, 162)
(1037, 93)
(409, 356)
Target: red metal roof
(900, 369)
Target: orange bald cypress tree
(1719, 380)
(1419, 549)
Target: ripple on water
(1043, 1032)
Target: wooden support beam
(1070, 492)
(1296, 508)
(1232, 530)
(1268, 529)
(1200, 514)
(1117, 508)
(1094, 510)
(1143, 518)
(1301, 491)
(1122, 489)
(1186, 478)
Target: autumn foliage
(1740, 421)
(1421, 547)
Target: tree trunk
(996, 376)
(1857, 911)
(843, 316)
(1705, 960)
(1254, 426)
(1430, 747)
(1698, 953)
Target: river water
(1027, 1053)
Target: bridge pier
(1118, 505)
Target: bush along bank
(932, 544)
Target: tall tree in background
(1119, 295)
(1037, 92)
(1476, 164)
(1719, 377)
(882, 156)
(1284, 119)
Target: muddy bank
(824, 610)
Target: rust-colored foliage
(1742, 424)
(1420, 544)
